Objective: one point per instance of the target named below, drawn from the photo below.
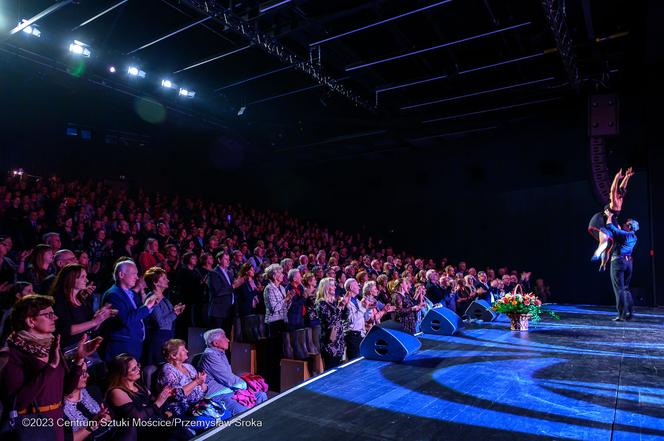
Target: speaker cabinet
(481, 310)
(441, 321)
(603, 117)
(387, 342)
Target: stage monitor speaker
(441, 321)
(388, 342)
(481, 310)
(603, 115)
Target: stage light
(167, 84)
(111, 69)
(17, 172)
(135, 72)
(79, 48)
(241, 111)
(186, 93)
(31, 29)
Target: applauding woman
(73, 307)
(188, 385)
(130, 400)
(36, 376)
(160, 323)
(331, 312)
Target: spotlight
(167, 84)
(186, 93)
(111, 69)
(79, 48)
(17, 172)
(135, 72)
(241, 111)
(31, 29)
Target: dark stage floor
(583, 377)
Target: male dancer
(621, 264)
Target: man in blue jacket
(126, 331)
(622, 264)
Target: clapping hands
(179, 308)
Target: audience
(224, 262)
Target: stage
(584, 377)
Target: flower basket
(519, 322)
(521, 308)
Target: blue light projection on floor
(516, 382)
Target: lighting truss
(554, 10)
(272, 46)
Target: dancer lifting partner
(597, 226)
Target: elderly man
(354, 327)
(222, 382)
(126, 331)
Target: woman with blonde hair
(332, 312)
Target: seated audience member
(160, 323)
(189, 385)
(222, 382)
(36, 372)
(332, 311)
(84, 409)
(73, 305)
(128, 399)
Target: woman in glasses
(37, 376)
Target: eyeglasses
(136, 368)
(50, 315)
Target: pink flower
(538, 302)
(526, 302)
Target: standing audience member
(332, 312)
(36, 372)
(161, 322)
(73, 306)
(125, 333)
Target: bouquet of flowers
(517, 302)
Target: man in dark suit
(126, 331)
(220, 289)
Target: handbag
(207, 413)
(13, 429)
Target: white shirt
(356, 317)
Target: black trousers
(621, 275)
(353, 340)
(225, 323)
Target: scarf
(31, 344)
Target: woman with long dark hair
(73, 305)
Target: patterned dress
(405, 315)
(180, 403)
(332, 328)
